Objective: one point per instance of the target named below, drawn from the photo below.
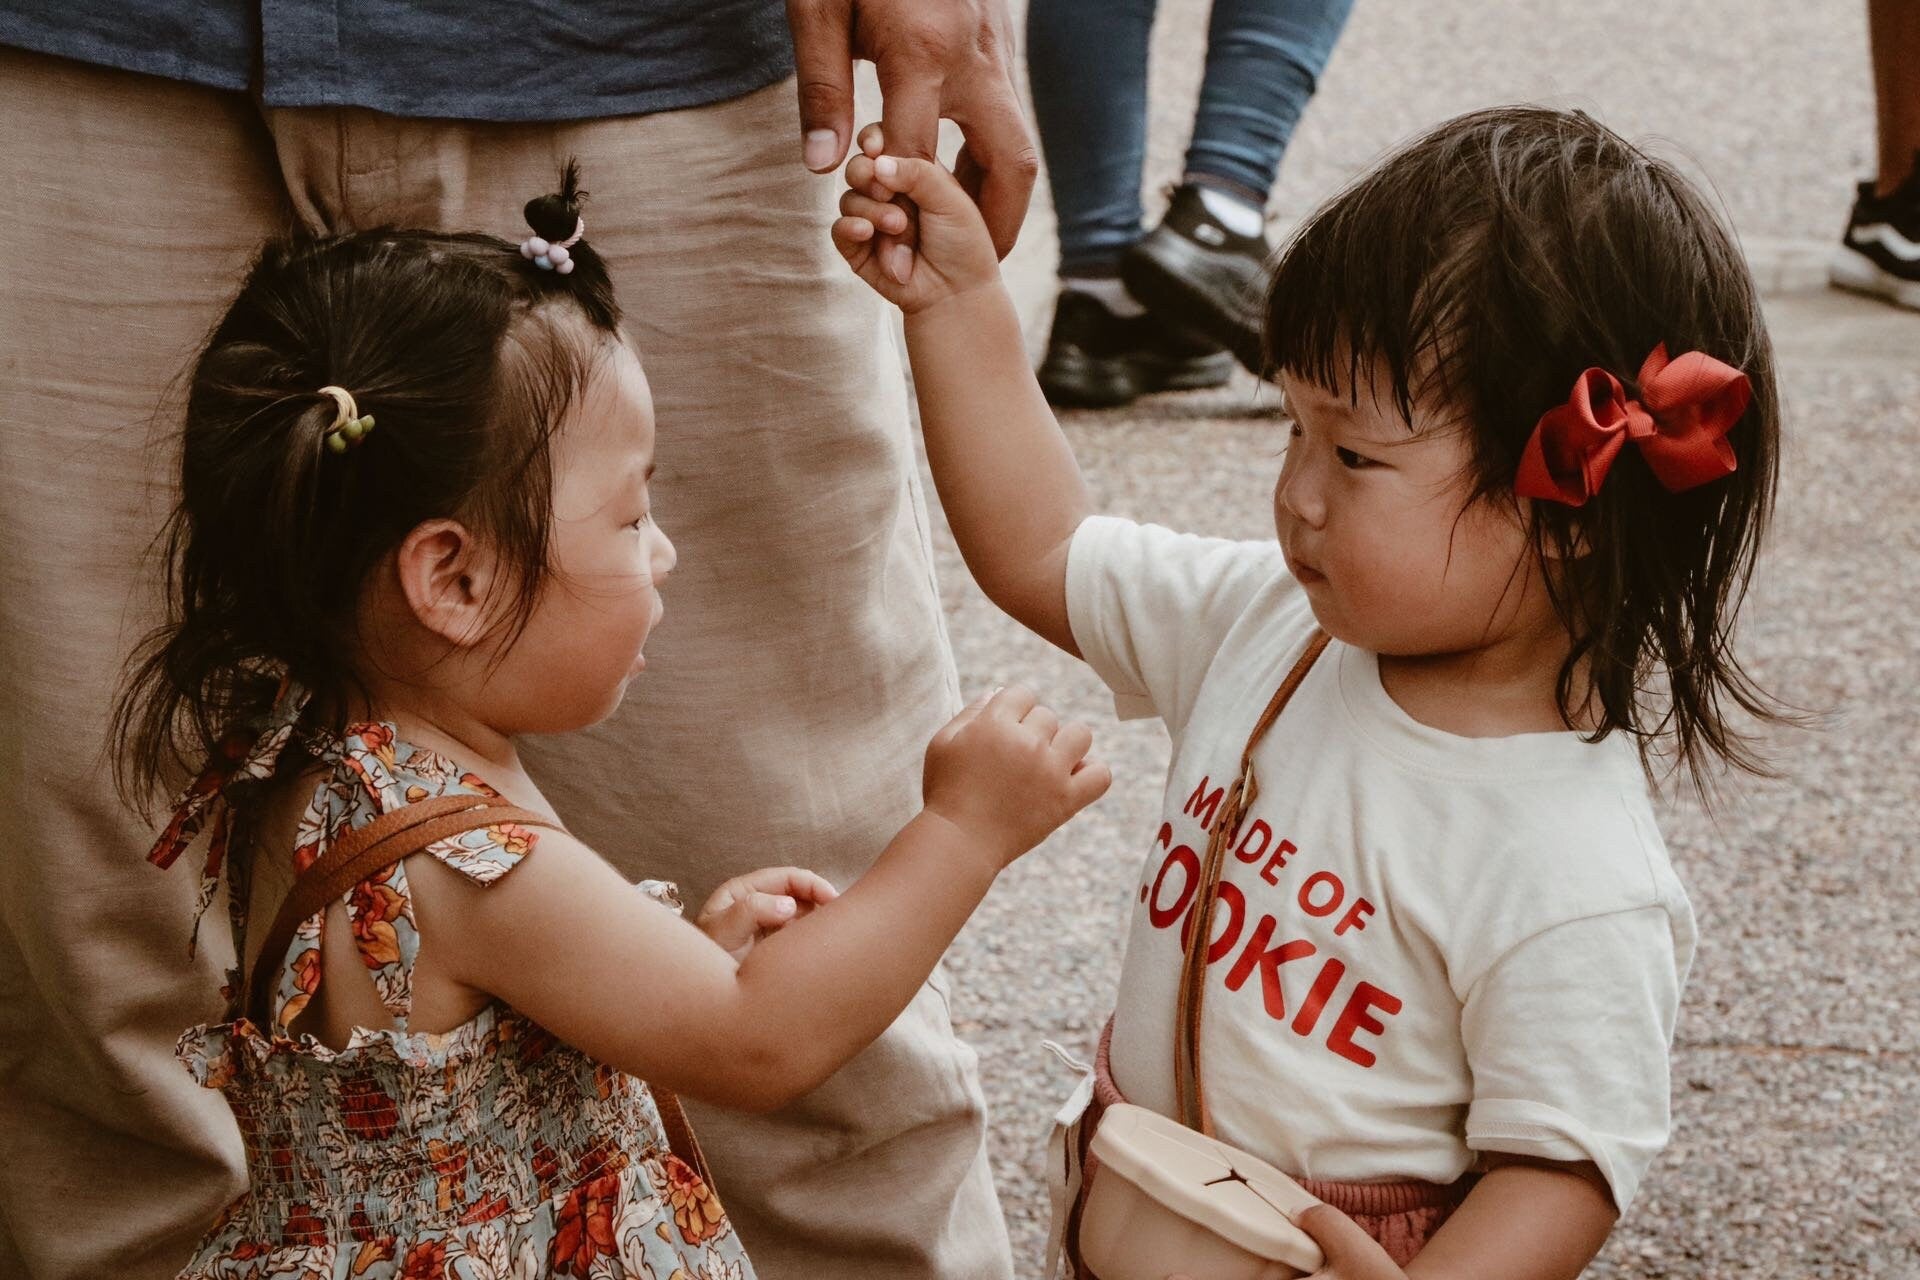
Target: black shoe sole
(1162, 272)
(1072, 379)
(1854, 270)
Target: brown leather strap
(680, 1137)
(363, 853)
(1199, 931)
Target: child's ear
(447, 578)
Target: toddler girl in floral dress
(415, 524)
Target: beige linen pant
(788, 697)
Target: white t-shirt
(1427, 945)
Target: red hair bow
(1685, 409)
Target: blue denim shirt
(453, 59)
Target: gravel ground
(1797, 1101)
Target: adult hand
(935, 58)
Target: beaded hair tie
(553, 255)
(349, 427)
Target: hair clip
(553, 256)
(349, 425)
(1680, 420)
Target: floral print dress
(488, 1152)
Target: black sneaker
(1098, 360)
(1880, 252)
(1198, 275)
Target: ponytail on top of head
(556, 219)
(465, 353)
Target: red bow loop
(1680, 422)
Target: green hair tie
(350, 426)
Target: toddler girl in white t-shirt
(1533, 437)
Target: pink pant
(1402, 1216)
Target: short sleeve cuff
(1517, 1127)
(1089, 562)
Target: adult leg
(1204, 266)
(1087, 65)
(1893, 28)
(134, 203)
(803, 664)
(1264, 59)
(1879, 252)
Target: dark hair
(464, 352)
(1482, 267)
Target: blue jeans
(1087, 60)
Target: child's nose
(1299, 495)
(664, 556)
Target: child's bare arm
(1006, 475)
(568, 942)
(1525, 1220)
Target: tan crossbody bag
(1168, 1204)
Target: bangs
(1485, 264)
(1366, 295)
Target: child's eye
(642, 522)
(1353, 461)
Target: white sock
(1231, 212)
(1109, 290)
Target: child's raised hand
(913, 251)
(1006, 771)
(747, 908)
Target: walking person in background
(1880, 252)
(1140, 312)
(151, 146)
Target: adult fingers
(823, 66)
(999, 167)
(910, 122)
(910, 110)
